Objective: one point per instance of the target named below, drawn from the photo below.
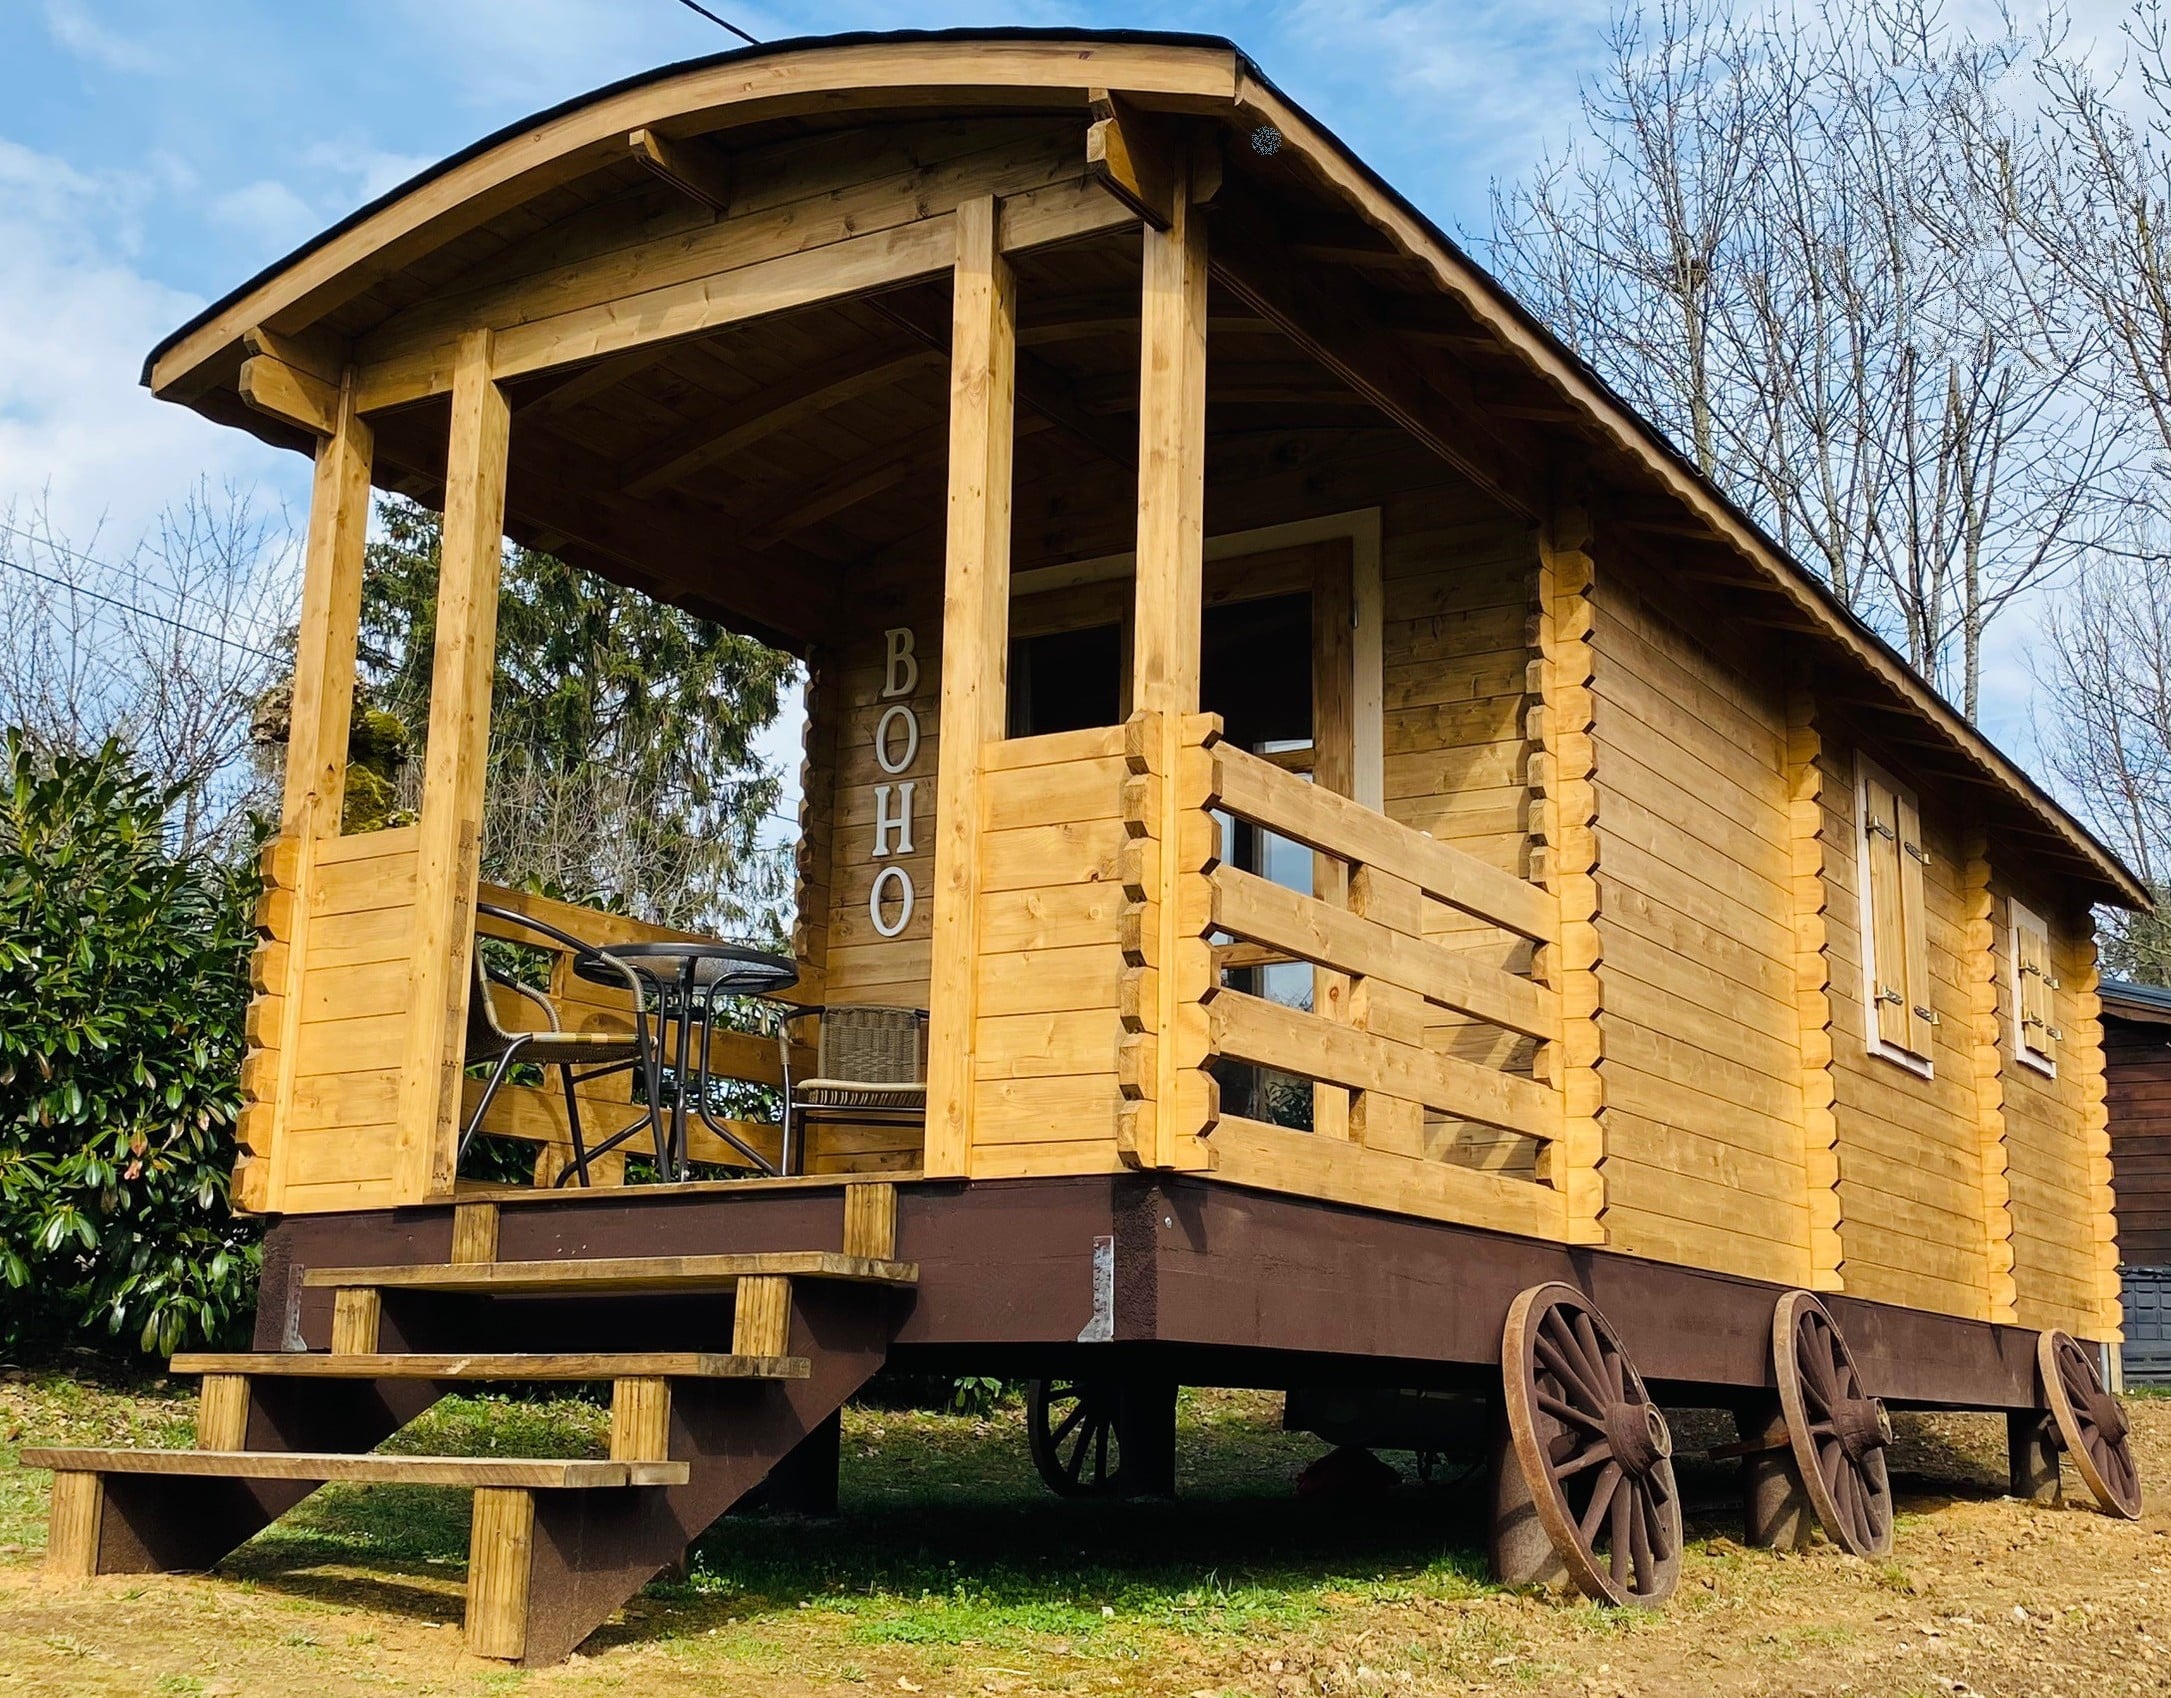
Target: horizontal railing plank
(1255, 790)
(1262, 912)
(1274, 1158)
(1289, 1040)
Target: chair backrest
(872, 1044)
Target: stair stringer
(594, 1550)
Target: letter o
(904, 901)
(882, 738)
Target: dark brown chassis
(1199, 1282)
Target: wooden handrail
(1255, 790)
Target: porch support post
(975, 654)
(1166, 630)
(319, 715)
(450, 829)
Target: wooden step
(600, 1275)
(528, 1473)
(650, 1365)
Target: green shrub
(123, 985)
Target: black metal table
(682, 983)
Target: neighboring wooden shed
(2137, 1069)
(1409, 889)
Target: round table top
(735, 969)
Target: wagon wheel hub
(1862, 1426)
(1638, 1433)
(2106, 1417)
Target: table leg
(678, 1073)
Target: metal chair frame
(640, 1062)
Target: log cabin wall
(1459, 578)
(1912, 1205)
(2056, 1271)
(1702, 1055)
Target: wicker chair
(870, 1066)
(491, 1043)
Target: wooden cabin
(1409, 888)
(2137, 1069)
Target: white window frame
(1865, 770)
(2042, 1060)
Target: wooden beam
(463, 669)
(1337, 326)
(1130, 154)
(565, 390)
(1166, 625)
(975, 652)
(281, 391)
(782, 596)
(731, 430)
(694, 168)
(563, 320)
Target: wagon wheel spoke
(1603, 1492)
(1587, 1364)
(1602, 1451)
(1569, 1412)
(1571, 1376)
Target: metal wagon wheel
(2090, 1425)
(1838, 1433)
(1071, 1428)
(1594, 1448)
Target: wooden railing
(536, 1114)
(1364, 1041)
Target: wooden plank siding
(1702, 1056)
(1459, 577)
(2137, 1065)
(1912, 1208)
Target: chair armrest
(529, 993)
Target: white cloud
(83, 35)
(269, 214)
(76, 319)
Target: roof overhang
(980, 69)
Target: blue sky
(154, 153)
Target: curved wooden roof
(1405, 318)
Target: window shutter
(1888, 941)
(1915, 927)
(2038, 985)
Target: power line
(722, 23)
(140, 612)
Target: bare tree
(169, 648)
(1771, 237)
(2104, 677)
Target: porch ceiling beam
(1042, 388)
(610, 313)
(695, 168)
(730, 430)
(1338, 327)
(802, 505)
(689, 561)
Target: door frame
(1360, 528)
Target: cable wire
(721, 23)
(140, 612)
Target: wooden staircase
(555, 1545)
